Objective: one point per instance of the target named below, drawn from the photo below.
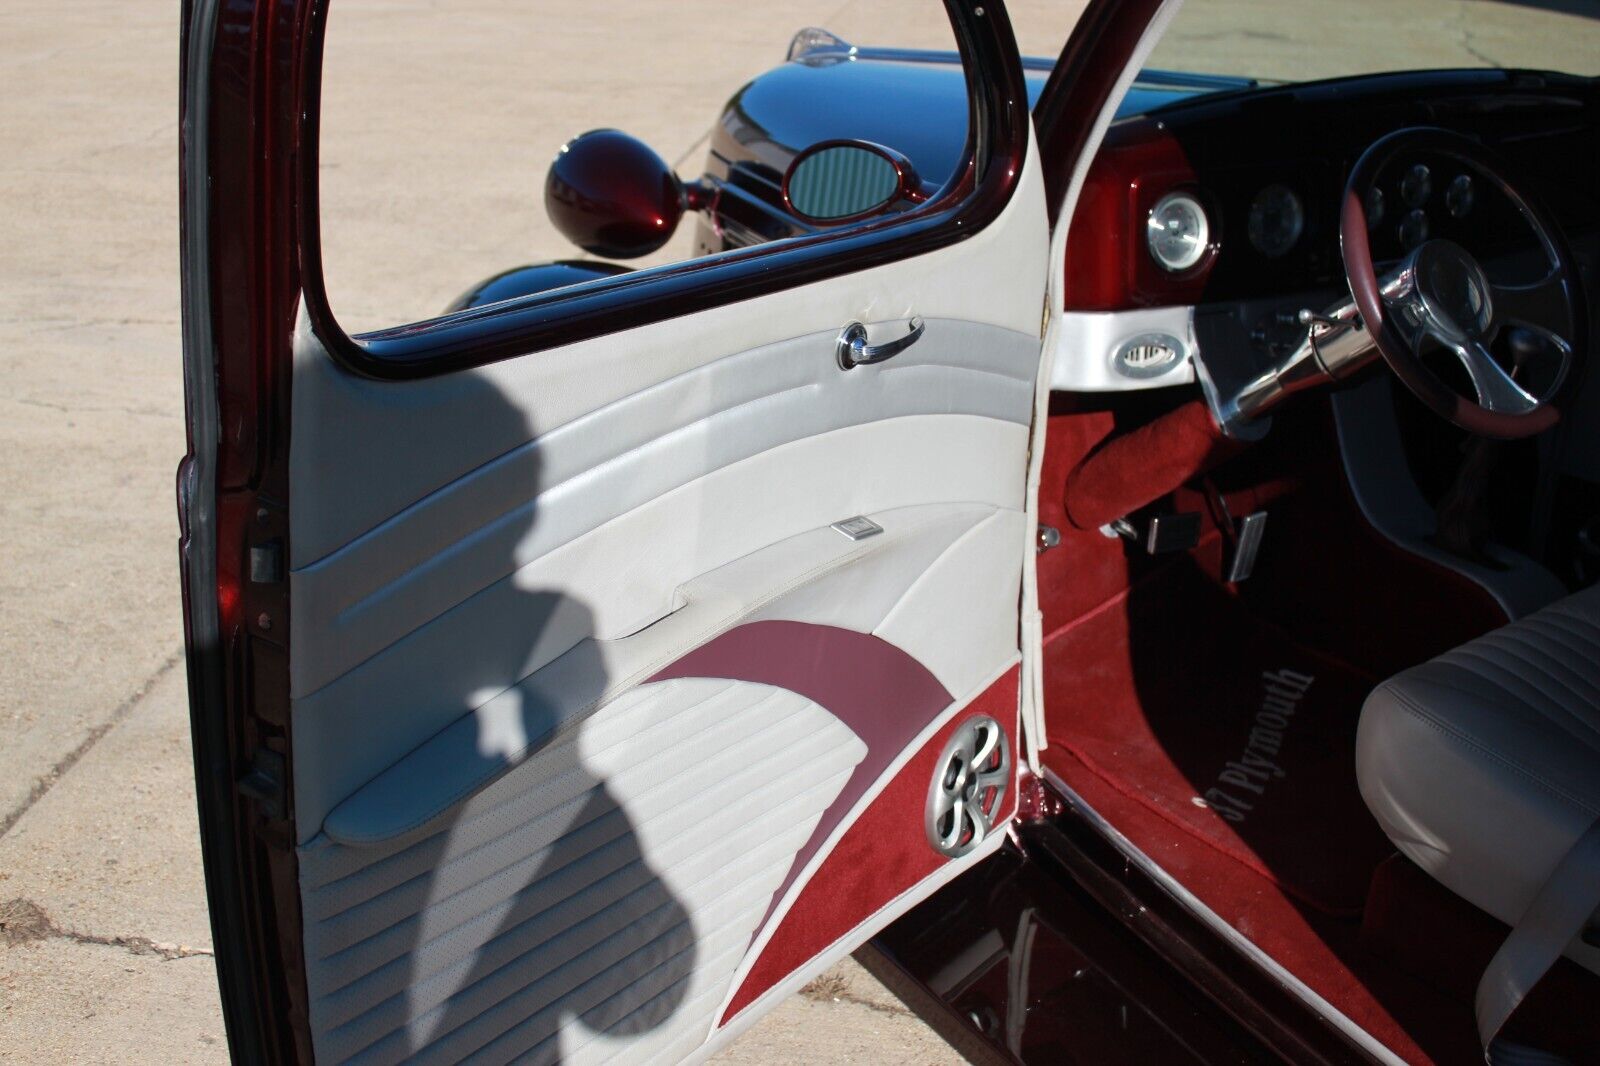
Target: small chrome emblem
(858, 528)
(1148, 355)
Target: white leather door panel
(585, 893)
(520, 833)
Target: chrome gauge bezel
(1416, 185)
(1460, 196)
(1279, 243)
(1194, 256)
(1376, 203)
(1413, 229)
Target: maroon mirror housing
(613, 196)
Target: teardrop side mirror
(833, 182)
(612, 195)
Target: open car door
(574, 678)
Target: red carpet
(1409, 1016)
(1293, 874)
(1232, 732)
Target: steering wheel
(1440, 293)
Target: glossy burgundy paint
(238, 153)
(1097, 52)
(612, 195)
(1108, 266)
(536, 277)
(884, 695)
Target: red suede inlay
(1137, 468)
(884, 853)
(1324, 576)
(1225, 727)
(1318, 949)
(1086, 568)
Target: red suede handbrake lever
(1139, 467)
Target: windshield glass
(1308, 40)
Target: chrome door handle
(853, 349)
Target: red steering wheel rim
(1362, 277)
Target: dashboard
(1224, 210)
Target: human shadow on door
(528, 922)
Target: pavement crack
(48, 779)
(22, 921)
(1468, 45)
(29, 401)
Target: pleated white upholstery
(1483, 765)
(589, 906)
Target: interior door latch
(853, 349)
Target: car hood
(914, 102)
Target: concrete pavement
(104, 938)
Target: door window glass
(439, 124)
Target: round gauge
(1416, 186)
(1177, 232)
(1375, 205)
(1459, 196)
(1277, 218)
(1413, 229)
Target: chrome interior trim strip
(1088, 342)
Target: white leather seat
(1483, 765)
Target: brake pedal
(1246, 545)
(1176, 532)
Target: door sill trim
(1217, 924)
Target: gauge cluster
(1276, 226)
(1425, 196)
(1235, 197)
(1407, 208)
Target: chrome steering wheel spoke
(1406, 320)
(1441, 294)
(1497, 390)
